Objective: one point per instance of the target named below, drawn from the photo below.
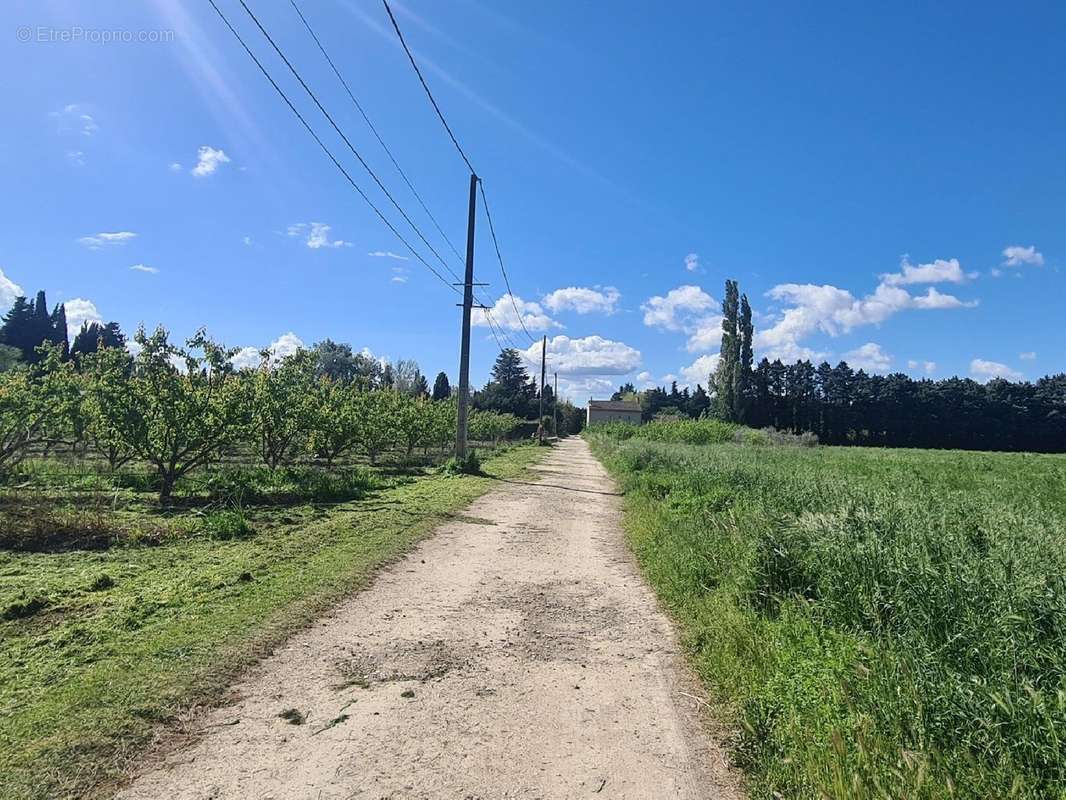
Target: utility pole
(543, 353)
(555, 407)
(464, 352)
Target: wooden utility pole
(543, 353)
(464, 352)
(555, 407)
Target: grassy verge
(96, 647)
(876, 623)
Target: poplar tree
(729, 356)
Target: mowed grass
(876, 623)
(98, 646)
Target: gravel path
(515, 654)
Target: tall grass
(881, 623)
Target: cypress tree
(59, 328)
(17, 330)
(442, 389)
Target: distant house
(614, 411)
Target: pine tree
(442, 389)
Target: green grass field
(99, 645)
(875, 623)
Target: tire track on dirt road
(516, 653)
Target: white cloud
(175, 167)
(578, 390)
(869, 357)
(144, 268)
(699, 371)
(591, 355)
(98, 240)
(399, 279)
(645, 377)
(387, 254)
(678, 310)
(72, 119)
(939, 271)
(79, 311)
(987, 370)
(1029, 356)
(76, 157)
(208, 159)
(1016, 256)
(705, 334)
(583, 300)
(504, 316)
(692, 262)
(247, 241)
(834, 311)
(928, 367)
(9, 290)
(284, 345)
(317, 235)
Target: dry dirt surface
(516, 653)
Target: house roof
(615, 405)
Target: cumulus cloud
(869, 357)
(928, 367)
(503, 315)
(692, 262)
(144, 268)
(678, 309)
(284, 345)
(387, 254)
(79, 311)
(699, 371)
(591, 355)
(987, 370)
(317, 235)
(175, 166)
(645, 377)
(939, 271)
(583, 300)
(208, 159)
(98, 240)
(834, 311)
(9, 290)
(1016, 256)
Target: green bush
(225, 525)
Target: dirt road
(515, 654)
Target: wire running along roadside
(374, 130)
(388, 151)
(447, 127)
(327, 151)
(341, 133)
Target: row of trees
(180, 408)
(511, 390)
(846, 406)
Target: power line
(499, 257)
(374, 130)
(425, 86)
(327, 151)
(340, 133)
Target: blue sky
(887, 185)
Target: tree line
(845, 406)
